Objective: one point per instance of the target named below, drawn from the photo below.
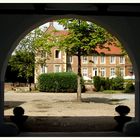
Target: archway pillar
(133, 128)
(6, 129)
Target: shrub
(58, 82)
(129, 87)
(117, 83)
(107, 84)
(97, 83)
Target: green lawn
(113, 91)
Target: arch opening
(67, 17)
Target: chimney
(51, 24)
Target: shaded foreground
(59, 112)
(68, 124)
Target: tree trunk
(29, 84)
(79, 77)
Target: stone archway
(14, 27)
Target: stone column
(1, 102)
(133, 128)
(6, 129)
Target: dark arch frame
(129, 20)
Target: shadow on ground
(68, 124)
(103, 100)
(12, 104)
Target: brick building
(108, 65)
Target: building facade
(112, 63)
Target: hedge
(129, 87)
(58, 82)
(97, 83)
(101, 83)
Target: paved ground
(60, 112)
(64, 104)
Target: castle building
(112, 63)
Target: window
(112, 71)
(122, 60)
(122, 72)
(69, 59)
(57, 68)
(103, 72)
(43, 68)
(57, 54)
(102, 59)
(85, 59)
(85, 71)
(95, 72)
(112, 59)
(95, 59)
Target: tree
(23, 63)
(23, 58)
(83, 38)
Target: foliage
(83, 39)
(107, 84)
(101, 83)
(83, 36)
(23, 63)
(22, 60)
(129, 88)
(117, 83)
(58, 82)
(97, 83)
(28, 42)
(112, 91)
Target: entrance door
(95, 72)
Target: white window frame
(84, 71)
(55, 68)
(59, 55)
(84, 61)
(112, 59)
(103, 70)
(103, 59)
(122, 71)
(112, 71)
(123, 60)
(43, 68)
(95, 61)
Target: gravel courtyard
(65, 104)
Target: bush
(58, 82)
(97, 83)
(129, 87)
(117, 83)
(107, 84)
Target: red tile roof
(114, 50)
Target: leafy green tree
(23, 58)
(23, 63)
(82, 39)
(27, 43)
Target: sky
(56, 25)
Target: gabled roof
(52, 29)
